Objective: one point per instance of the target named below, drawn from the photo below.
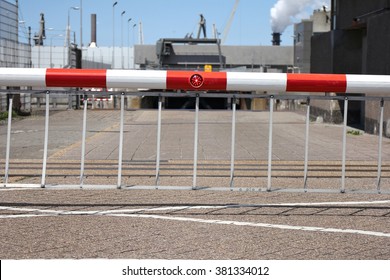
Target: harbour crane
(229, 23)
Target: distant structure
(202, 27)
(93, 43)
(276, 39)
(14, 52)
(41, 35)
(318, 23)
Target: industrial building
(358, 43)
(195, 54)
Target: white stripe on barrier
(376, 84)
(17, 77)
(273, 82)
(136, 79)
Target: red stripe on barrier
(316, 82)
(187, 80)
(76, 78)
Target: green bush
(4, 115)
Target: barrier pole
(306, 145)
(46, 141)
(158, 142)
(196, 136)
(232, 153)
(85, 102)
(8, 142)
(120, 156)
(271, 112)
(378, 180)
(342, 190)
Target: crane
(229, 23)
(202, 26)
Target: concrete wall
(359, 45)
(303, 32)
(348, 10)
(377, 60)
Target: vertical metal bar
(158, 142)
(232, 153)
(306, 145)
(271, 112)
(378, 180)
(85, 102)
(8, 142)
(46, 140)
(120, 157)
(342, 190)
(196, 136)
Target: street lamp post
(113, 34)
(128, 44)
(134, 25)
(68, 33)
(81, 32)
(81, 24)
(122, 39)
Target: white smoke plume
(285, 12)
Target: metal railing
(197, 95)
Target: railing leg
(232, 153)
(158, 142)
(378, 180)
(306, 146)
(85, 102)
(342, 190)
(120, 156)
(46, 140)
(271, 112)
(196, 136)
(8, 143)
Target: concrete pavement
(183, 224)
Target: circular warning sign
(196, 81)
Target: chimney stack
(276, 38)
(93, 31)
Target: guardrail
(197, 83)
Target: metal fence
(271, 99)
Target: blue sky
(169, 18)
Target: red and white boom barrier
(195, 81)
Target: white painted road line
(131, 213)
(274, 226)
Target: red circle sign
(196, 81)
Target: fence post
(120, 148)
(380, 140)
(342, 190)
(196, 136)
(46, 141)
(306, 145)
(158, 141)
(271, 112)
(8, 142)
(232, 153)
(85, 102)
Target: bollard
(46, 141)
